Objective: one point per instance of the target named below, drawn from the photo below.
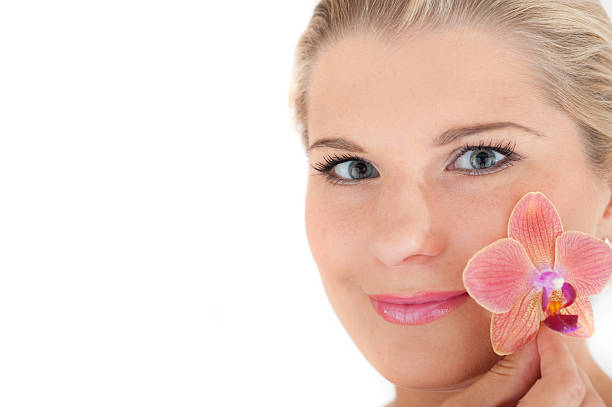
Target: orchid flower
(539, 273)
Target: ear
(604, 228)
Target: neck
(578, 347)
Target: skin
(412, 225)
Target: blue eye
(472, 160)
(484, 159)
(354, 169)
(345, 169)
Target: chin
(446, 354)
(455, 375)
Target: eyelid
(505, 148)
(335, 159)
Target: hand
(542, 373)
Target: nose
(402, 231)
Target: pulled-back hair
(568, 43)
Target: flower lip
(420, 297)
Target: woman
(424, 123)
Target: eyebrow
(445, 138)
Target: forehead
(423, 82)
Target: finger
(505, 383)
(591, 398)
(560, 384)
(556, 361)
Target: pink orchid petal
(582, 308)
(584, 260)
(535, 223)
(497, 275)
(515, 328)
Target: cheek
(579, 204)
(476, 219)
(576, 194)
(333, 229)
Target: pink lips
(417, 309)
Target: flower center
(552, 285)
(551, 280)
(555, 302)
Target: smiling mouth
(422, 310)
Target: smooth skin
(416, 219)
(542, 373)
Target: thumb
(506, 382)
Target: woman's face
(410, 212)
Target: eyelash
(505, 149)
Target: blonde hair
(568, 42)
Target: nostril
(416, 259)
(401, 262)
(407, 249)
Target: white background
(152, 242)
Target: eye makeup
(505, 148)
